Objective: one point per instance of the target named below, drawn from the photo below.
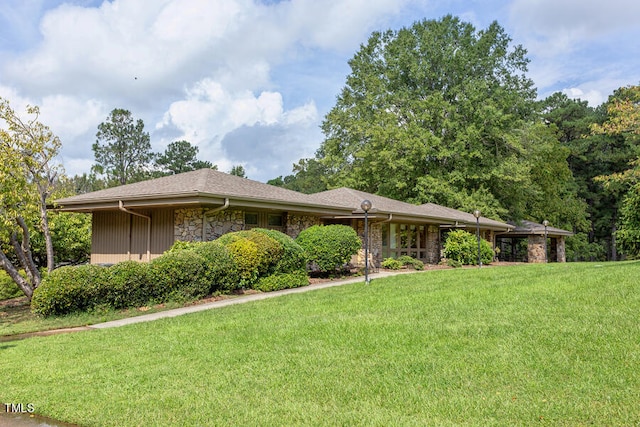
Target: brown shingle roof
(429, 211)
(204, 183)
(209, 186)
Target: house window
(263, 220)
(251, 219)
(404, 239)
(274, 221)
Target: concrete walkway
(239, 300)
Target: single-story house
(142, 220)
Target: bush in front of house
(128, 285)
(391, 264)
(329, 247)
(462, 247)
(278, 281)
(412, 262)
(69, 289)
(179, 275)
(222, 271)
(293, 258)
(267, 259)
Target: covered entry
(526, 243)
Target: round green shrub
(293, 257)
(409, 261)
(69, 289)
(329, 247)
(129, 285)
(278, 281)
(221, 269)
(391, 264)
(254, 252)
(179, 275)
(462, 246)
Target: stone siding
(562, 252)
(294, 224)
(188, 225)
(536, 249)
(433, 245)
(223, 222)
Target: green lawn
(555, 344)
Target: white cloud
(551, 27)
(259, 75)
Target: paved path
(239, 300)
(205, 306)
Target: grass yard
(555, 344)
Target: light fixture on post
(366, 207)
(477, 213)
(546, 224)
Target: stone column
(536, 249)
(562, 254)
(433, 244)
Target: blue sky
(250, 81)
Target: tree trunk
(46, 231)
(12, 271)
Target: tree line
(437, 112)
(442, 112)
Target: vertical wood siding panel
(109, 237)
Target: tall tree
(432, 113)
(589, 156)
(122, 149)
(28, 172)
(623, 122)
(181, 156)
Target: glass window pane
(275, 220)
(251, 218)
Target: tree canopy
(435, 113)
(181, 156)
(28, 173)
(122, 149)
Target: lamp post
(366, 207)
(476, 213)
(546, 224)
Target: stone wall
(188, 225)
(375, 244)
(294, 224)
(222, 222)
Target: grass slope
(557, 344)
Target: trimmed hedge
(221, 269)
(128, 285)
(462, 247)
(69, 289)
(278, 281)
(409, 261)
(293, 258)
(255, 253)
(404, 260)
(262, 259)
(329, 247)
(179, 275)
